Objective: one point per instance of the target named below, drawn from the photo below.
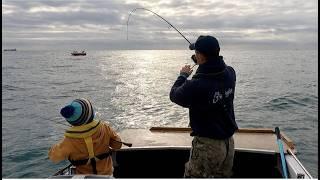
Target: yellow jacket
(75, 148)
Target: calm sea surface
(130, 89)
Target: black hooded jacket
(209, 96)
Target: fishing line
(63, 123)
(60, 121)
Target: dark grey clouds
(101, 24)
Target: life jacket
(85, 132)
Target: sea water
(130, 89)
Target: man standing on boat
(209, 96)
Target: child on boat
(88, 143)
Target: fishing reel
(193, 57)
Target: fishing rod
(159, 17)
(192, 57)
(124, 143)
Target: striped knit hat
(79, 112)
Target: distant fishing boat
(161, 152)
(76, 53)
(10, 50)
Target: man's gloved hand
(186, 71)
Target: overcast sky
(101, 24)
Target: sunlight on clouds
(84, 28)
(123, 17)
(234, 21)
(143, 3)
(7, 9)
(51, 9)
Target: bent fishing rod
(159, 17)
(192, 57)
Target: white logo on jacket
(218, 96)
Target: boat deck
(263, 140)
(161, 152)
(256, 153)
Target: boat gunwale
(284, 137)
(145, 148)
(298, 161)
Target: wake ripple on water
(5, 68)
(6, 109)
(292, 101)
(60, 96)
(12, 88)
(64, 83)
(24, 155)
(26, 159)
(61, 66)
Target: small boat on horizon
(76, 53)
(10, 49)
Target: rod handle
(124, 143)
(127, 144)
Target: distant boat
(10, 50)
(76, 53)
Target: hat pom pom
(67, 111)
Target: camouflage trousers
(210, 158)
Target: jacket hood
(83, 131)
(212, 66)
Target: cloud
(278, 23)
